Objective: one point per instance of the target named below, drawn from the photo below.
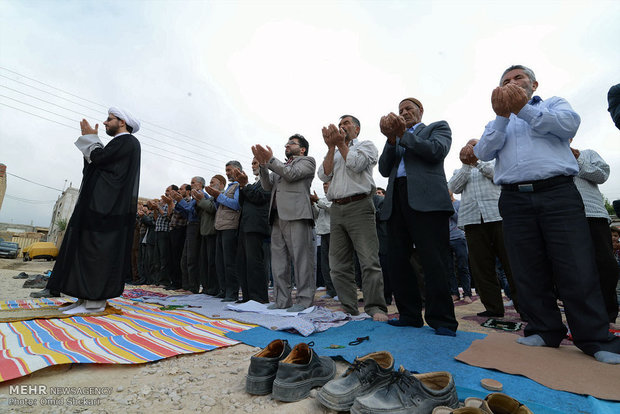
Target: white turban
(127, 117)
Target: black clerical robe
(95, 255)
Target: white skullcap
(127, 117)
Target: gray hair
(202, 180)
(235, 164)
(529, 72)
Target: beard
(111, 131)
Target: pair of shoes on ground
(288, 374)
(496, 403)
(371, 386)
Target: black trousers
(192, 253)
(549, 245)
(162, 275)
(251, 267)
(485, 241)
(605, 263)
(177, 240)
(325, 269)
(431, 235)
(226, 254)
(208, 273)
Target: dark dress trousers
(417, 208)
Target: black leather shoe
(220, 295)
(263, 367)
(365, 375)
(409, 393)
(301, 371)
(229, 300)
(45, 293)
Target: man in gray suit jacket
(291, 215)
(417, 207)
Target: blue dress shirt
(532, 145)
(401, 151)
(232, 203)
(188, 209)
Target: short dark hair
(382, 189)
(130, 129)
(188, 187)
(235, 164)
(303, 143)
(174, 187)
(614, 229)
(355, 120)
(529, 72)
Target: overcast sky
(209, 79)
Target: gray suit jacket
(426, 149)
(290, 185)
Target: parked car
(9, 249)
(41, 250)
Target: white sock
(532, 340)
(607, 357)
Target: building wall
(62, 211)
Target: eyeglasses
(290, 144)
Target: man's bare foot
(467, 299)
(380, 317)
(455, 298)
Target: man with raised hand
(292, 220)
(545, 227)
(348, 167)
(417, 207)
(95, 255)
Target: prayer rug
(142, 333)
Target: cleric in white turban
(95, 256)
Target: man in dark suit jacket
(417, 206)
(253, 229)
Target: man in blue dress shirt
(545, 227)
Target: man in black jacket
(253, 229)
(417, 206)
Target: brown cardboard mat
(565, 368)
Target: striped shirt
(593, 170)
(479, 195)
(163, 220)
(177, 219)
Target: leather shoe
(366, 374)
(301, 371)
(45, 293)
(220, 295)
(409, 393)
(229, 300)
(264, 365)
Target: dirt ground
(212, 382)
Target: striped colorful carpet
(142, 333)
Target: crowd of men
(529, 202)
